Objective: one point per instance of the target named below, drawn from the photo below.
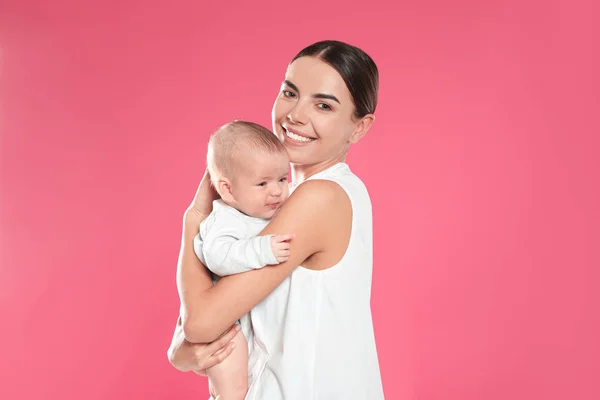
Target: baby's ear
(224, 189)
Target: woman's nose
(297, 115)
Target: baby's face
(262, 186)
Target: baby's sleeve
(225, 252)
(199, 248)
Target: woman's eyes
(291, 95)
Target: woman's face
(314, 113)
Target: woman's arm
(312, 214)
(192, 279)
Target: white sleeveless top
(312, 337)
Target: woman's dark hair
(356, 68)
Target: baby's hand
(281, 247)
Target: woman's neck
(301, 172)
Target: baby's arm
(225, 252)
(229, 378)
(227, 255)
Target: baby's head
(249, 167)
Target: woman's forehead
(312, 75)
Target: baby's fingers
(283, 253)
(281, 246)
(283, 238)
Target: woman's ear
(224, 189)
(362, 127)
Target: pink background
(483, 167)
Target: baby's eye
(283, 179)
(262, 184)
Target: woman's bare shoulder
(320, 190)
(313, 203)
(318, 213)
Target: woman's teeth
(298, 138)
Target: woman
(312, 333)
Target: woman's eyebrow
(290, 84)
(326, 96)
(316, 96)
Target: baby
(248, 167)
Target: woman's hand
(201, 205)
(197, 357)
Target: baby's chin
(267, 214)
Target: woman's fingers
(221, 342)
(209, 355)
(220, 355)
(213, 359)
(205, 195)
(201, 187)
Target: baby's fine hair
(228, 145)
